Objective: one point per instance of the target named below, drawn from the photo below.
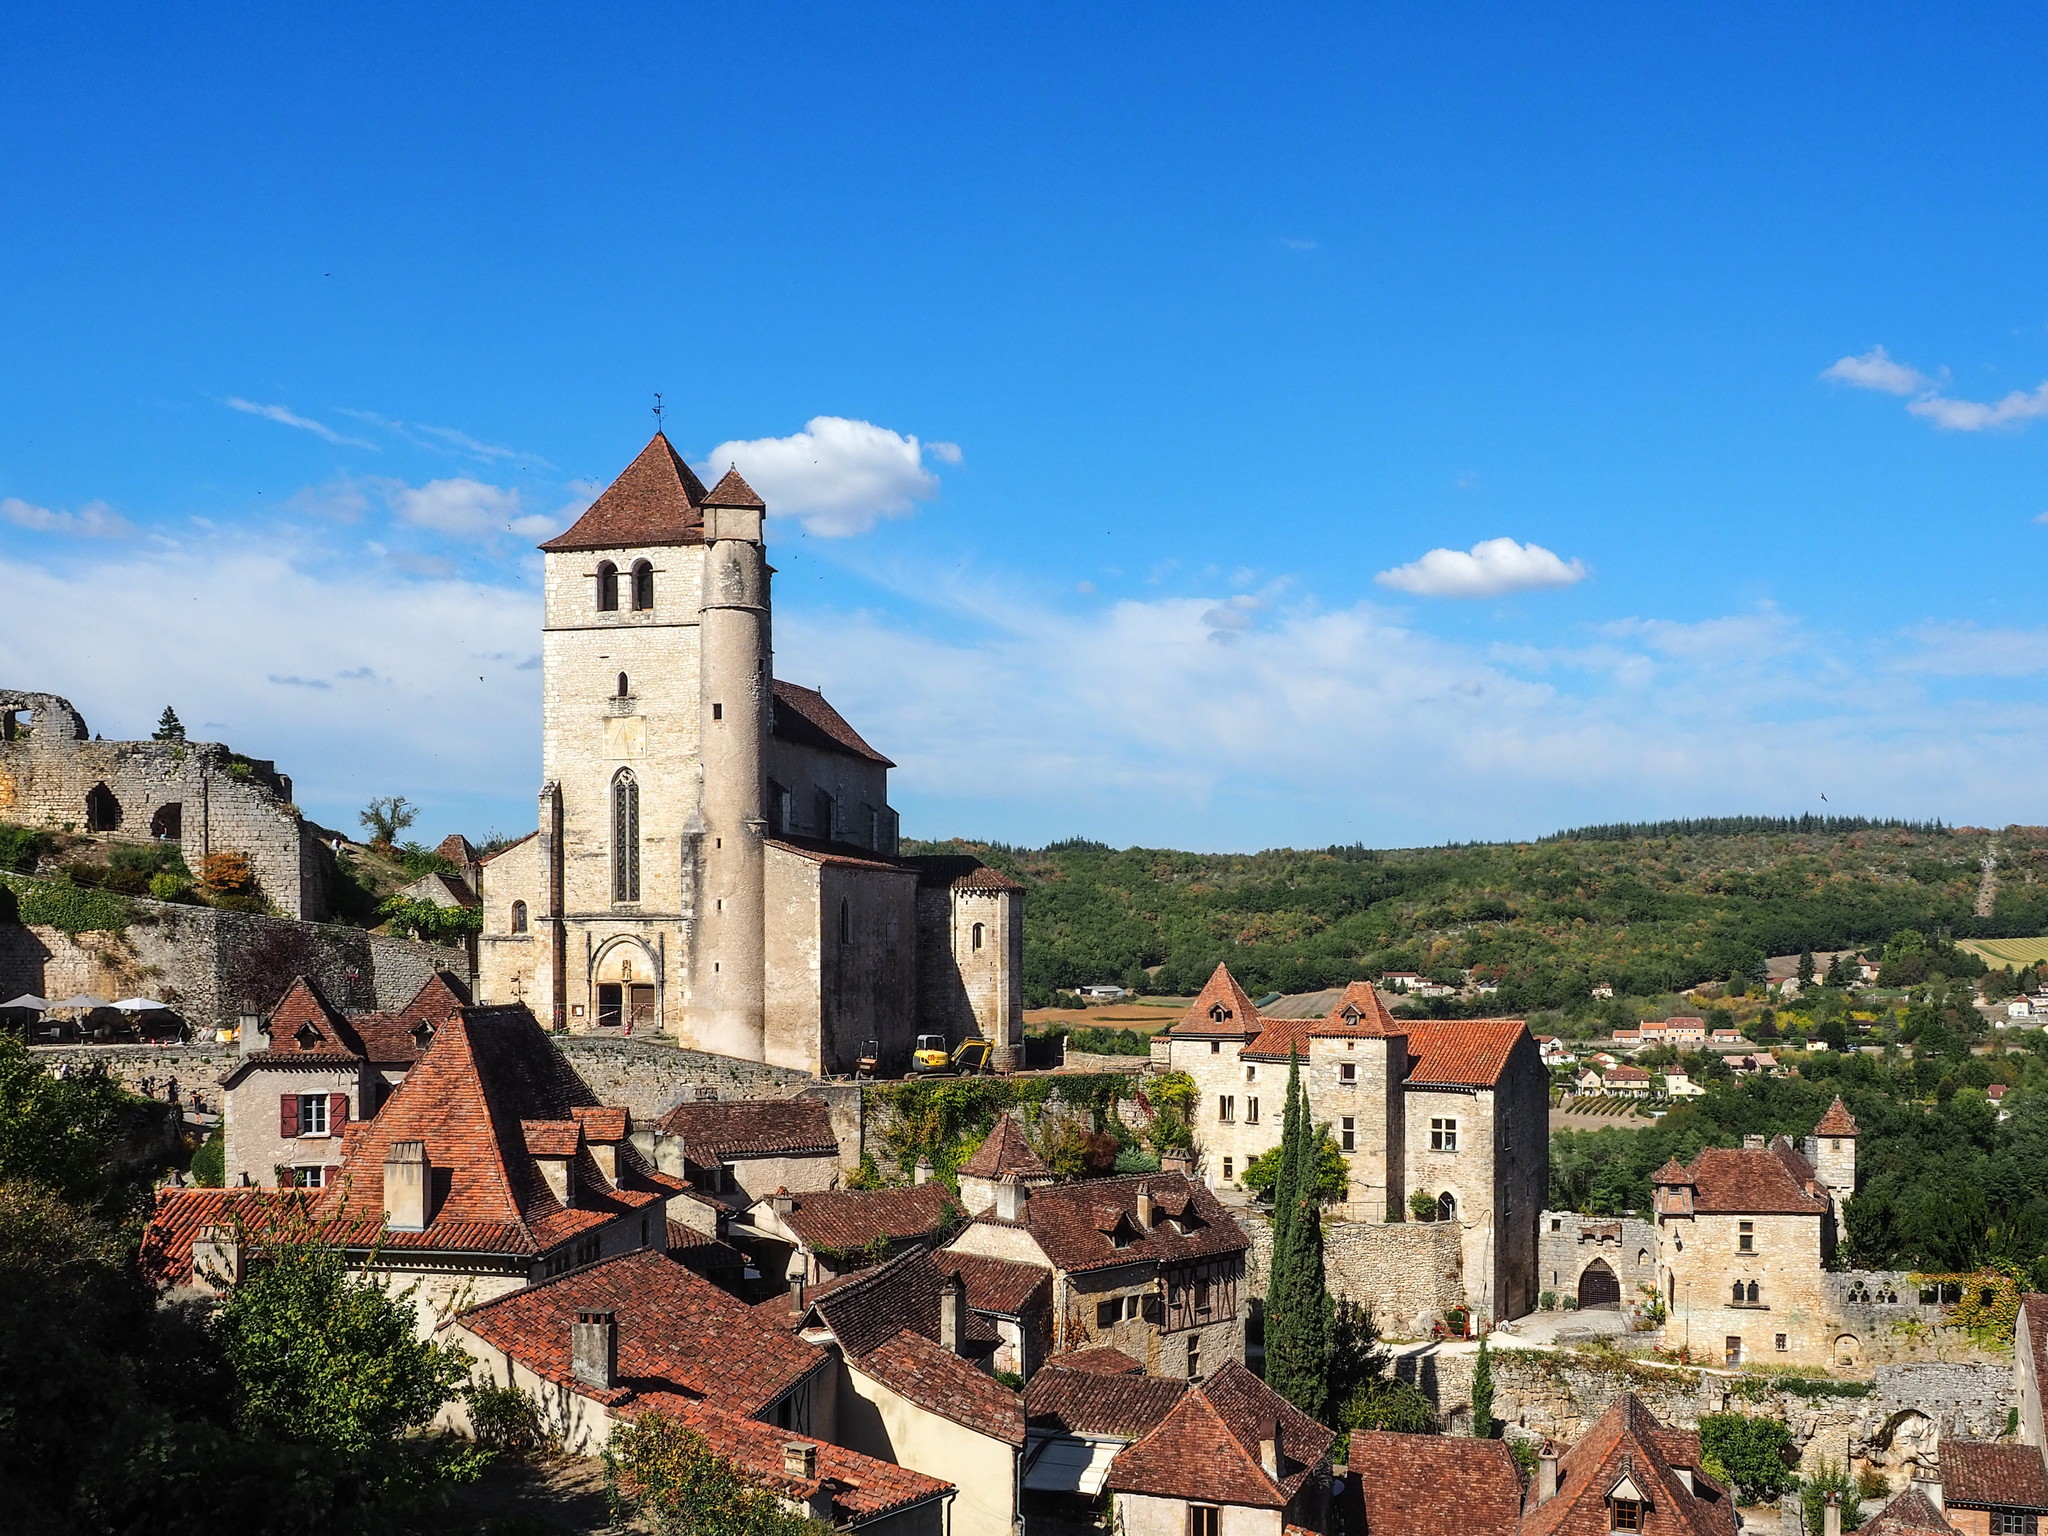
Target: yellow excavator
(930, 1056)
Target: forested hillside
(1651, 909)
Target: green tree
(1805, 971)
(56, 1132)
(1332, 1174)
(1749, 1452)
(664, 1472)
(1831, 1478)
(428, 921)
(1841, 971)
(1482, 1394)
(169, 727)
(1298, 1306)
(329, 1359)
(386, 816)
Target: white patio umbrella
(141, 1005)
(80, 1000)
(28, 1000)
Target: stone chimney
(1752, 1143)
(953, 1314)
(796, 1294)
(1546, 1473)
(925, 1172)
(1928, 1480)
(1269, 1450)
(1831, 1515)
(782, 1202)
(1180, 1161)
(1010, 1197)
(216, 1259)
(408, 1187)
(1145, 1207)
(799, 1459)
(594, 1349)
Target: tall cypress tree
(1482, 1394)
(1299, 1315)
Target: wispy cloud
(94, 520)
(839, 476)
(1491, 568)
(443, 439)
(285, 416)
(1877, 369)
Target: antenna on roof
(657, 410)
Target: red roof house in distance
(1430, 1107)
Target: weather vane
(657, 410)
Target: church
(716, 856)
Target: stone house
(1151, 1264)
(716, 856)
(1744, 1237)
(915, 1388)
(746, 1149)
(309, 1071)
(823, 1234)
(1455, 1110)
(201, 795)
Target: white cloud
(841, 477)
(285, 416)
(1877, 369)
(1491, 568)
(1966, 650)
(94, 520)
(1976, 416)
(465, 508)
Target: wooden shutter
(288, 1115)
(337, 1113)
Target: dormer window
(1219, 1014)
(1352, 1015)
(307, 1037)
(422, 1034)
(1624, 1515)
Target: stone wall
(1557, 1394)
(1410, 1274)
(194, 1066)
(648, 1076)
(1568, 1243)
(212, 966)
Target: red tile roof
(959, 872)
(1103, 1358)
(2034, 1315)
(846, 1220)
(1466, 1052)
(1066, 1399)
(861, 1488)
(677, 1332)
(1220, 1008)
(1908, 1514)
(1761, 1181)
(838, 855)
(1993, 1476)
(602, 1123)
(1193, 1454)
(732, 491)
(936, 1379)
(867, 1309)
(1837, 1121)
(655, 500)
(803, 718)
(718, 1131)
(456, 849)
(1627, 1439)
(1423, 1485)
(1249, 1407)
(552, 1138)
(382, 1039)
(488, 1070)
(1075, 1223)
(180, 1215)
(997, 1285)
(1005, 1151)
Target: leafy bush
(227, 873)
(1813, 1491)
(68, 907)
(664, 1472)
(21, 847)
(1333, 1173)
(416, 861)
(1101, 1041)
(1422, 1205)
(1749, 1452)
(505, 1420)
(431, 924)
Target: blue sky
(1114, 373)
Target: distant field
(2007, 951)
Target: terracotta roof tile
(802, 717)
(1075, 1223)
(861, 1488)
(997, 1285)
(1005, 1151)
(1986, 1476)
(180, 1215)
(1468, 1052)
(456, 849)
(1103, 1358)
(1079, 1400)
(552, 1138)
(850, 1219)
(958, 871)
(1908, 1514)
(1422, 1485)
(1220, 1008)
(840, 855)
(655, 500)
(732, 491)
(716, 1131)
(939, 1380)
(1249, 1407)
(602, 1124)
(1837, 1121)
(1673, 1172)
(1749, 1180)
(873, 1306)
(677, 1332)
(1628, 1439)
(1193, 1454)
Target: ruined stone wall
(646, 1077)
(211, 966)
(1410, 1274)
(1568, 1243)
(194, 1066)
(1557, 1394)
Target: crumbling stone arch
(50, 718)
(102, 809)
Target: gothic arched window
(607, 587)
(519, 917)
(625, 837)
(624, 689)
(643, 586)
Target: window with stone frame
(1203, 1519)
(1226, 1109)
(310, 1176)
(625, 836)
(1347, 1134)
(607, 587)
(519, 917)
(1443, 1135)
(643, 586)
(1251, 1111)
(1745, 1237)
(1347, 1073)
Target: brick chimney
(1546, 1473)
(1180, 1161)
(408, 1187)
(953, 1314)
(594, 1349)
(799, 1459)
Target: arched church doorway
(1599, 1286)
